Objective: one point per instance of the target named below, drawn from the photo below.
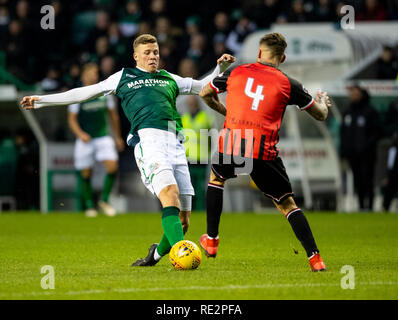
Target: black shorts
(269, 176)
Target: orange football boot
(210, 246)
(316, 263)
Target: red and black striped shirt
(257, 96)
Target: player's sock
(214, 203)
(163, 247)
(172, 226)
(108, 185)
(87, 193)
(302, 230)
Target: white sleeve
(184, 84)
(109, 85)
(74, 108)
(81, 94)
(191, 86)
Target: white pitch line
(229, 287)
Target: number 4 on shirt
(257, 96)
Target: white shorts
(98, 149)
(161, 159)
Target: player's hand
(120, 145)
(85, 137)
(322, 97)
(226, 58)
(27, 102)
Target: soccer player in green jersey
(87, 120)
(148, 98)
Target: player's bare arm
(211, 98)
(76, 129)
(320, 109)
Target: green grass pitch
(259, 258)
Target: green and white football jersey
(148, 99)
(92, 115)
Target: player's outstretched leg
(303, 232)
(214, 203)
(172, 227)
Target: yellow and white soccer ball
(185, 255)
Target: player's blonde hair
(276, 43)
(144, 39)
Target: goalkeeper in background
(88, 122)
(148, 97)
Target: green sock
(163, 246)
(108, 185)
(87, 193)
(172, 226)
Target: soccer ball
(185, 255)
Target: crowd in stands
(191, 34)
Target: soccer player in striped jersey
(88, 122)
(257, 96)
(148, 98)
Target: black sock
(214, 203)
(302, 231)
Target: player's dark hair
(276, 42)
(144, 39)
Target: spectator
(144, 27)
(156, 9)
(297, 12)
(373, 10)
(197, 51)
(192, 27)
(119, 45)
(235, 39)
(359, 135)
(391, 130)
(130, 18)
(324, 11)
(101, 48)
(52, 80)
(187, 68)
(72, 77)
(221, 27)
(198, 148)
(4, 21)
(387, 65)
(163, 29)
(265, 12)
(16, 49)
(107, 67)
(168, 59)
(101, 29)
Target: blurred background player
(88, 121)
(198, 148)
(257, 97)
